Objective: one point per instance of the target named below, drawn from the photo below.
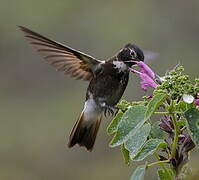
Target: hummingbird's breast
(109, 83)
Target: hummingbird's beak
(135, 61)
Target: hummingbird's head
(129, 54)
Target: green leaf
(123, 105)
(112, 128)
(192, 116)
(125, 154)
(131, 121)
(181, 106)
(136, 141)
(165, 174)
(139, 173)
(149, 148)
(154, 103)
(156, 132)
(181, 122)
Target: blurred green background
(38, 106)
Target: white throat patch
(120, 66)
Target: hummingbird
(107, 81)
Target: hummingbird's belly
(108, 89)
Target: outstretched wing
(63, 58)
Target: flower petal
(146, 82)
(197, 102)
(166, 125)
(146, 69)
(187, 98)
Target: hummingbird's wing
(150, 55)
(63, 58)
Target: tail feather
(85, 131)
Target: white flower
(187, 98)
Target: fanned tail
(85, 130)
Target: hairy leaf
(156, 132)
(192, 116)
(149, 148)
(136, 141)
(131, 121)
(125, 154)
(139, 173)
(153, 104)
(112, 128)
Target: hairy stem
(166, 113)
(162, 113)
(158, 163)
(176, 131)
(176, 134)
(162, 165)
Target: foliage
(165, 125)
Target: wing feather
(63, 58)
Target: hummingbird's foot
(110, 110)
(116, 110)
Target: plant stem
(166, 113)
(176, 134)
(162, 165)
(183, 128)
(176, 131)
(162, 113)
(158, 163)
(158, 158)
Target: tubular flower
(181, 157)
(188, 144)
(166, 125)
(146, 69)
(147, 76)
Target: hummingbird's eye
(133, 54)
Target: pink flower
(146, 69)
(197, 100)
(146, 74)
